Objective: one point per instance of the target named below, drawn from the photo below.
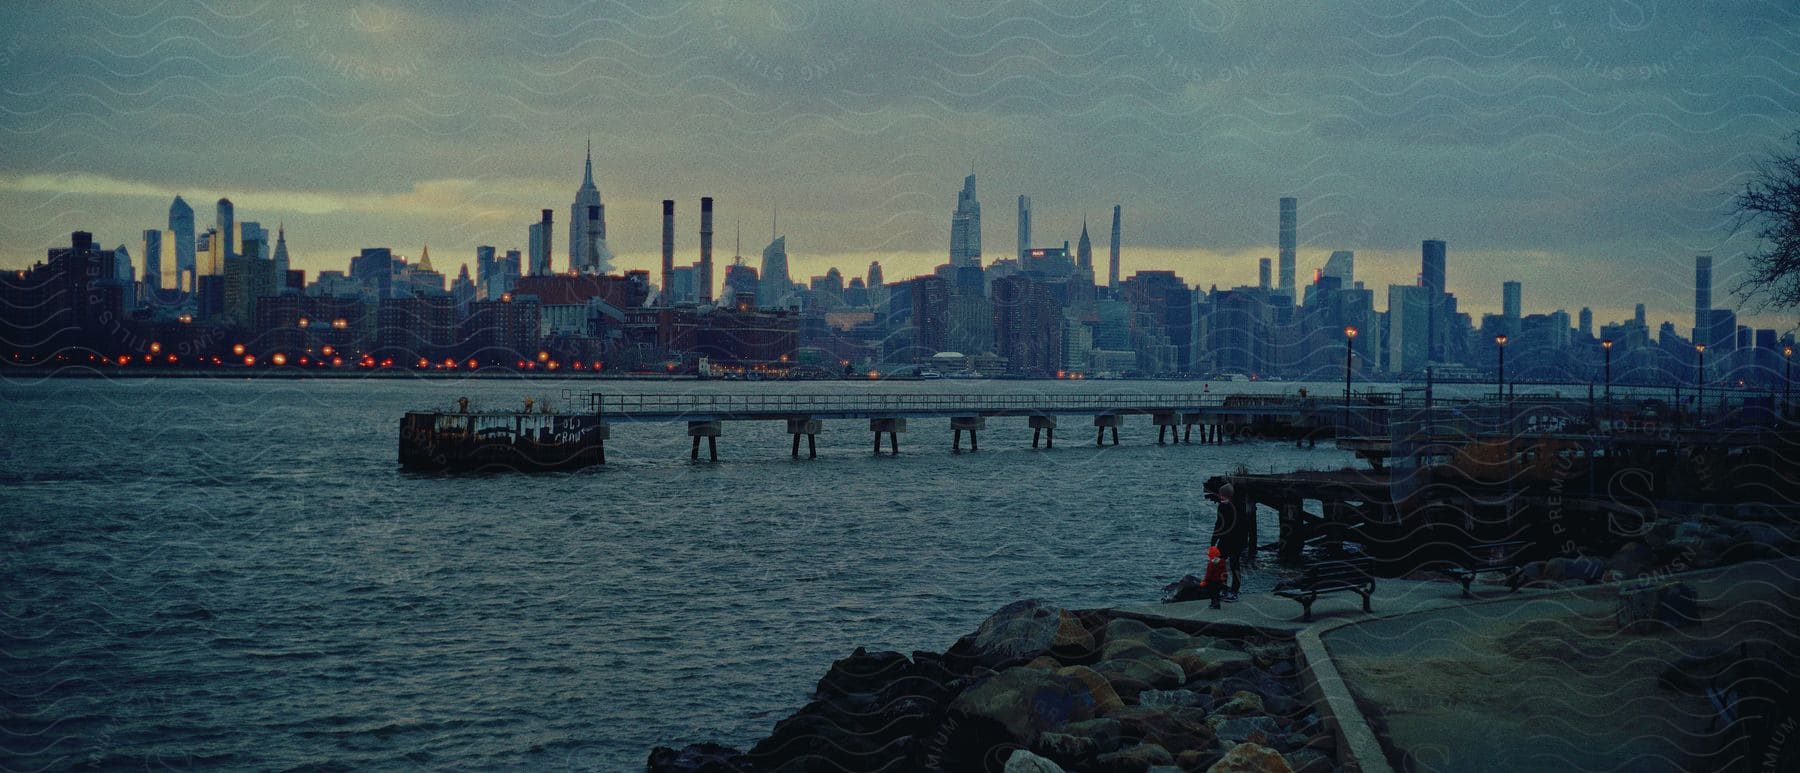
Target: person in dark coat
(1231, 532)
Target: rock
(1309, 761)
(1188, 588)
(1105, 732)
(1586, 569)
(1265, 655)
(697, 758)
(1187, 698)
(1761, 534)
(1171, 727)
(1647, 606)
(862, 672)
(1016, 634)
(1023, 761)
(1130, 677)
(1137, 759)
(1323, 742)
(1123, 628)
(1251, 758)
(1632, 559)
(1068, 748)
(1122, 642)
(1210, 662)
(1242, 702)
(1026, 702)
(1105, 697)
(1196, 760)
(1044, 662)
(1240, 729)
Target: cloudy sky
(1588, 149)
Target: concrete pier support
(1188, 420)
(809, 428)
(1102, 423)
(893, 428)
(960, 424)
(602, 432)
(1167, 422)
(1046, 425)
(705, 429)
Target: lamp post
(1787, 389)
(1606, 344)
(1349, 351)
(1500, 347)
(1699, 383)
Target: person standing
(1231, 530)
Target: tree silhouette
(1770, 204)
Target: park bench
(1490, 557)
(1349, 574)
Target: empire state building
(588, 252)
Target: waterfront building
(1408, 342)
(374, 268)
(1028, 325)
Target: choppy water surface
(237, 573)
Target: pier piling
(1104, 421)
(893, 427)
(705, 429)
(959, 424)
(1046, 424)
(810, 428)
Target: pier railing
(670, 406)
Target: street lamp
(1700, 383)
(1787, 389)
(1349, 350)
(1607, 345)
(1500, 346)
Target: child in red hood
(1214, 581)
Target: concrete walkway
(1407, 655)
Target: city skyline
(1548, 142)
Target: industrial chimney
(705, 279)
(668, 273)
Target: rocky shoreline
(1037, 688)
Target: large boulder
(1124, 639)
(1105, 697)
(1241, 702)
(697, 758)
(1188, 698)
(1130, 677)
(1016, 634)
(1023, 761)
(1210, 662)
(1251, 758)
(1105, 731)
(862, 672)
(1026, 702)
(1171, 727)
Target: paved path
(1274, 613)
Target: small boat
(930, 374)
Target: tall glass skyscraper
(226, 221)
(1289, 214)
(965, 227)
(181, 225)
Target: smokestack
(668, 274)
(549, 244)
(705, 280)
(591, 260)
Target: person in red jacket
(1214, 582)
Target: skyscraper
(253, 241)
(1431, 266)
(227, 225)
(1262, 273)
(153, 258)
(668, 252)
(1084, 250)
(1586, 322)
(1112, 266)
(965, 227)
(775, 282)
(1024, 225)
(1702, 294)
(1342, 265)
(1408, 342)
(588, 252)
(281, 254)
(539, 236)
(1288, 215)
(1509, 306)
(181, 224)
(1639, 317)
(485, 273)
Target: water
(236, 573)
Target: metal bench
(1350, 574)
(1490, 557)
